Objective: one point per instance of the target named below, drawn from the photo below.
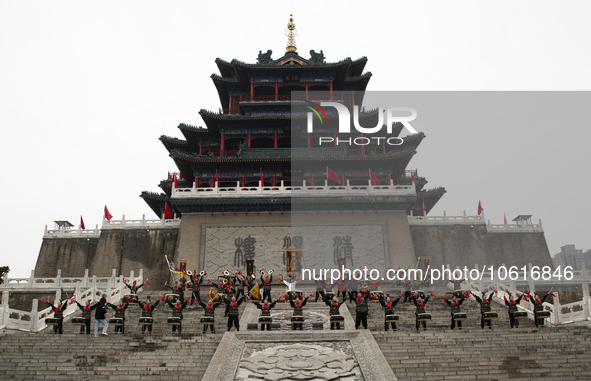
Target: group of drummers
(232, 289)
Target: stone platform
(346, 355)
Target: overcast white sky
(86, 89)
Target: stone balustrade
(84, 288)
(304, 190)
(123, 223)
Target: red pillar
(231, 104)
(252, 91)
(275, 140)
(361, 147)
(343, 179)
(276, 90)
(306, 90)
(248, 137)
(384, 148)
(312, 180)
(223, 145)
(211, 182)
(309, 137)
(274, 180)
(334, 136)
(242, 180)
(200, 150)
(330, 88)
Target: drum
(543, 315)
(206, 320)
(337, 319)
(520, 315)
(490, 315)
(392, 318)
(78, 321)
(460, 316)
(146, 321)
(295, 294)
(297, 319)
(171, 298)
(376, 295)
(130, 298)
(424, 317)
(328, 295)
(460, 293)
(399, 283)
(265, 320)
(174, 321)
(419, 293)
(116, 321)
(52, 321)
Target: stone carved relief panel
(333, 360)
(218, 246)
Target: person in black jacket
(266, 286)
(454, 305)
(320, 287)
(58, 313)
(334, 306)
(209, 313)
(119, 314)
(233, 312)
(389, 310)
(420, 309)
(361, 309)
(484, 308)
(133, 289)
(177, 311)
(297, 311)
(538, 306)
(196, 279)
(86, 310)
(512, 308)
(100, 317)
(265, 311)
(147, 310)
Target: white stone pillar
(34, 315)
(5, 311)
(31, 282)
(58, 278)
(586, 309)
(556, 309)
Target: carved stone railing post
(58, 278)
(93, 287)
(85, 279)
(31, 282)
(556, 309)
(586, 309)
(114, 276)
(34, 315)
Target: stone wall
(466, 245)
(121, 249)
(379, 239)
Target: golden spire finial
(291, 32)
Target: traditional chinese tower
(245, 163)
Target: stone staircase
(133, 356)
(439, 353)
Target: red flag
(330, 175)
(262, 181)
(412, 177)
(424, 209)
(374, 179)
(174, 182)
(108, 215)
(167, 213)
(82, 224)
(480, 208)
(217, 179)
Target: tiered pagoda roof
(256, 100)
